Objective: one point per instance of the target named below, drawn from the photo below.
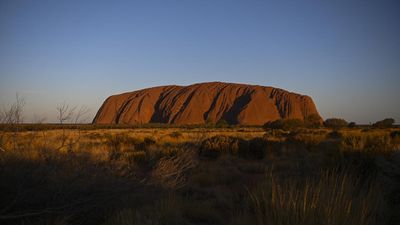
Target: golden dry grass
(168, 176)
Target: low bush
(352, 125)
(395, 134)
(335, 123)
(216, 146)
(284, 124)
(313, 121)
(386, 123)
(335, 134)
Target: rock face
(198, 103)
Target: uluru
(200, 103)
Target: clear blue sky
(343, 53)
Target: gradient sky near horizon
(345, 54)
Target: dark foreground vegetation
(170, 176)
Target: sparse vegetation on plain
(287, 172)
(200, 176)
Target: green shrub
(386, 123)
(284, 124)
(352, 125)
(335, 123)
(313, 121)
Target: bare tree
(12, 118)
(80, 115)
(65, 113)
(74, 115)
(2, 117)
(13, 115)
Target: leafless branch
(65, 113)
(13, 115)
(2, 117)
(170, 172)
(81, 113)
(38, 119)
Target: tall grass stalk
(333, 197)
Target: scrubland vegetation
(200, 176)
(288, 172)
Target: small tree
(65, 113)
(14, 115)
(13, 118)
(80, 115)
(386, 123)
(352, 124)
(313, 121)
(335, 123)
